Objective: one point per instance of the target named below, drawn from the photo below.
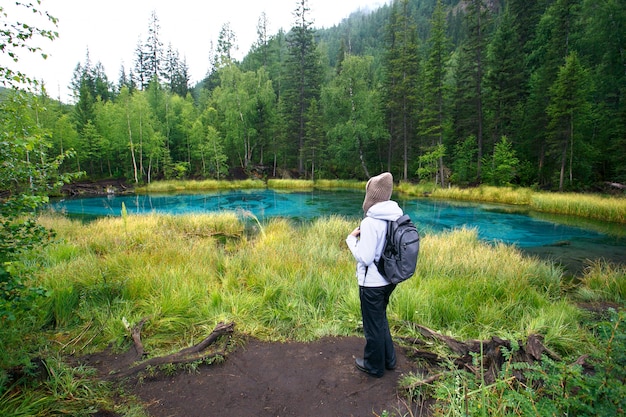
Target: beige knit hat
(378, 189)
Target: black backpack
(398, 261)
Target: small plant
(214, 359)
(168, 369)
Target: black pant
(379, 351)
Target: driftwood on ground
(490, 353)
(191, 354)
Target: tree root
(187, 355)
(490, 355)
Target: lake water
(567, 240)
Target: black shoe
(390, 367)
(360, 365)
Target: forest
(498, 92)
(446, 93)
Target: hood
(385, 210)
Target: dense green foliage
(511, 92)
(550, 387)
(27, 171)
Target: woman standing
(366, 244)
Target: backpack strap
(387, 237)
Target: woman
(366, 244)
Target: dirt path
(275, 379)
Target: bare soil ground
(271, 379)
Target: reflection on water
(532, 232)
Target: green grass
(505, 195)
(611, 209)
(278, 281)
(66, 391)
(204, 185)
(605, 208)
(291, 184)
(603, 283)
(188, 273)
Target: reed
(603, 282)
(290, 282)
(504, 195)
(591, 206)
(611, 209)
(321, 184)
(290, 184)
(203, 185)
(340, 184)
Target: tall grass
(611, 209)
(203, 185)
(335, 184)
(66, 391)
(603, 282)
(475, 290)
(290, 282)
(290, 184)
(503, 195)
(321, 184)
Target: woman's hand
(356, 232)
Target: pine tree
(141, 78)
(263, 38)
(505, 80)
(125, 80)
(602, 47)
(566, 103)
(469, 115)
(433, 113)
(153, 50)
(303, 78)
(226, 46)
(402, 68)
(354, 118)
(525, 17)
(175, 73)
(551, 45)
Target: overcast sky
(111, 29)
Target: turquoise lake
(533, 232)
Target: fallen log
(430, 357)
(491, 353)
(187, 355)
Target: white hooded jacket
(368, 247)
